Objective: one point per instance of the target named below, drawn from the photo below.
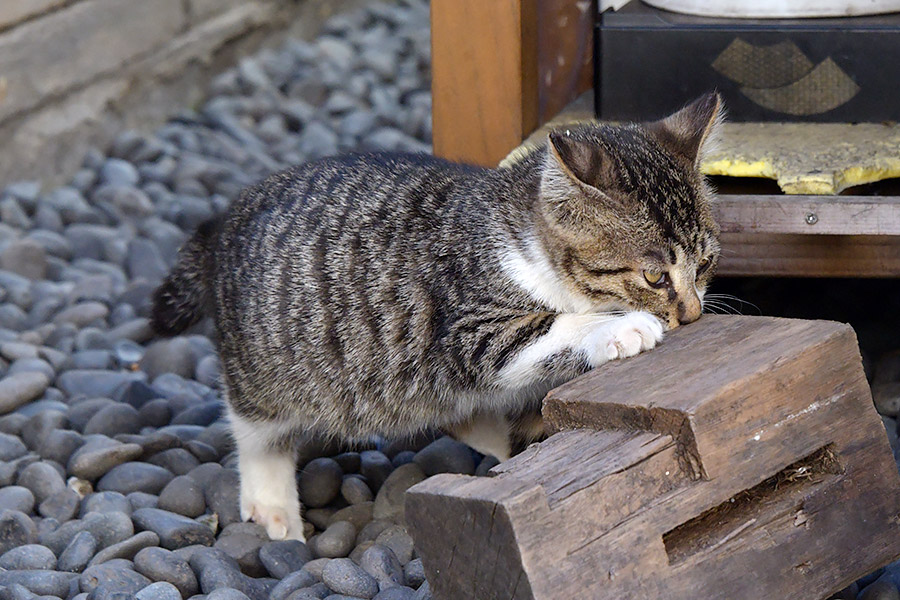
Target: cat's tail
(185, 296)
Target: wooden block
(742, 458)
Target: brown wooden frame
(500, 68)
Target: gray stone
(82, 314)
(114, 419)
(183, 495)
(18, 389)
(107, 529)
(119, 171)
(39, 581)
(158, 564)
(201, 414)
(242, 542)
(424, 592)
(29, 556)
(357, 514)
(126, 548)
(222, 496)
(144, 260)
(397, 539)
(345, 577)
(142, 500)
(336, 541)
(445, 455)
(349, 461)
(114, 575)
(396, 593)
(375, 467)
(16, 497)
(155, 413)
(11, 447)
(175, 460)
(93, 382)
(381, 563)
(174, 530)
(355, 491)
(26, 258)
(42, 479)
(16, 350)
(40, 425)
(135, 477)
(283, 557)
(62, 506)
(161, 590)
(78, 553)
(291, 583)
(390, 498)
(94, 460)
(414, 573)
(320, 482)
(218, 570)
(105, 502)
(16, 529)
(91, 359)
(883, 589)
(14, 318)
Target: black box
(650, 62)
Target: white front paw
(624, 337)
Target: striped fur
(387, 293)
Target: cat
(388, 293)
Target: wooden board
(502, 67)
(795, 255)
(742, 458)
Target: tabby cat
(388, 293)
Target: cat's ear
(583, 161)
(692, 130)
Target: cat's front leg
(621, 337)
(578, 342)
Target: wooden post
(743, 458)
(502, 67)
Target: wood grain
(502, 67)
(608, 507)
(484, 73)
(796, 255)
(808, 215)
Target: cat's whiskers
(724, 298)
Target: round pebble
(344, 576)
(336, 541)
(320, 482)
(29, 556)
(158, 564)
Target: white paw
(281, 523)
(624, 337)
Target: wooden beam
(500, 68)
(808, 215)
(484, 77)
(744, 467)
(795, 255)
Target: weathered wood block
(742, 458)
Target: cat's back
(357, 184)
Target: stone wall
(73, 72)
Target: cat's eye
(655, 278)
(703, 265)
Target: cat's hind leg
(486, 432)
(267, 466)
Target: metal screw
(812, 219)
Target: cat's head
(626, 212)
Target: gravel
(117, 471)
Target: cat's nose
(688, 311)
